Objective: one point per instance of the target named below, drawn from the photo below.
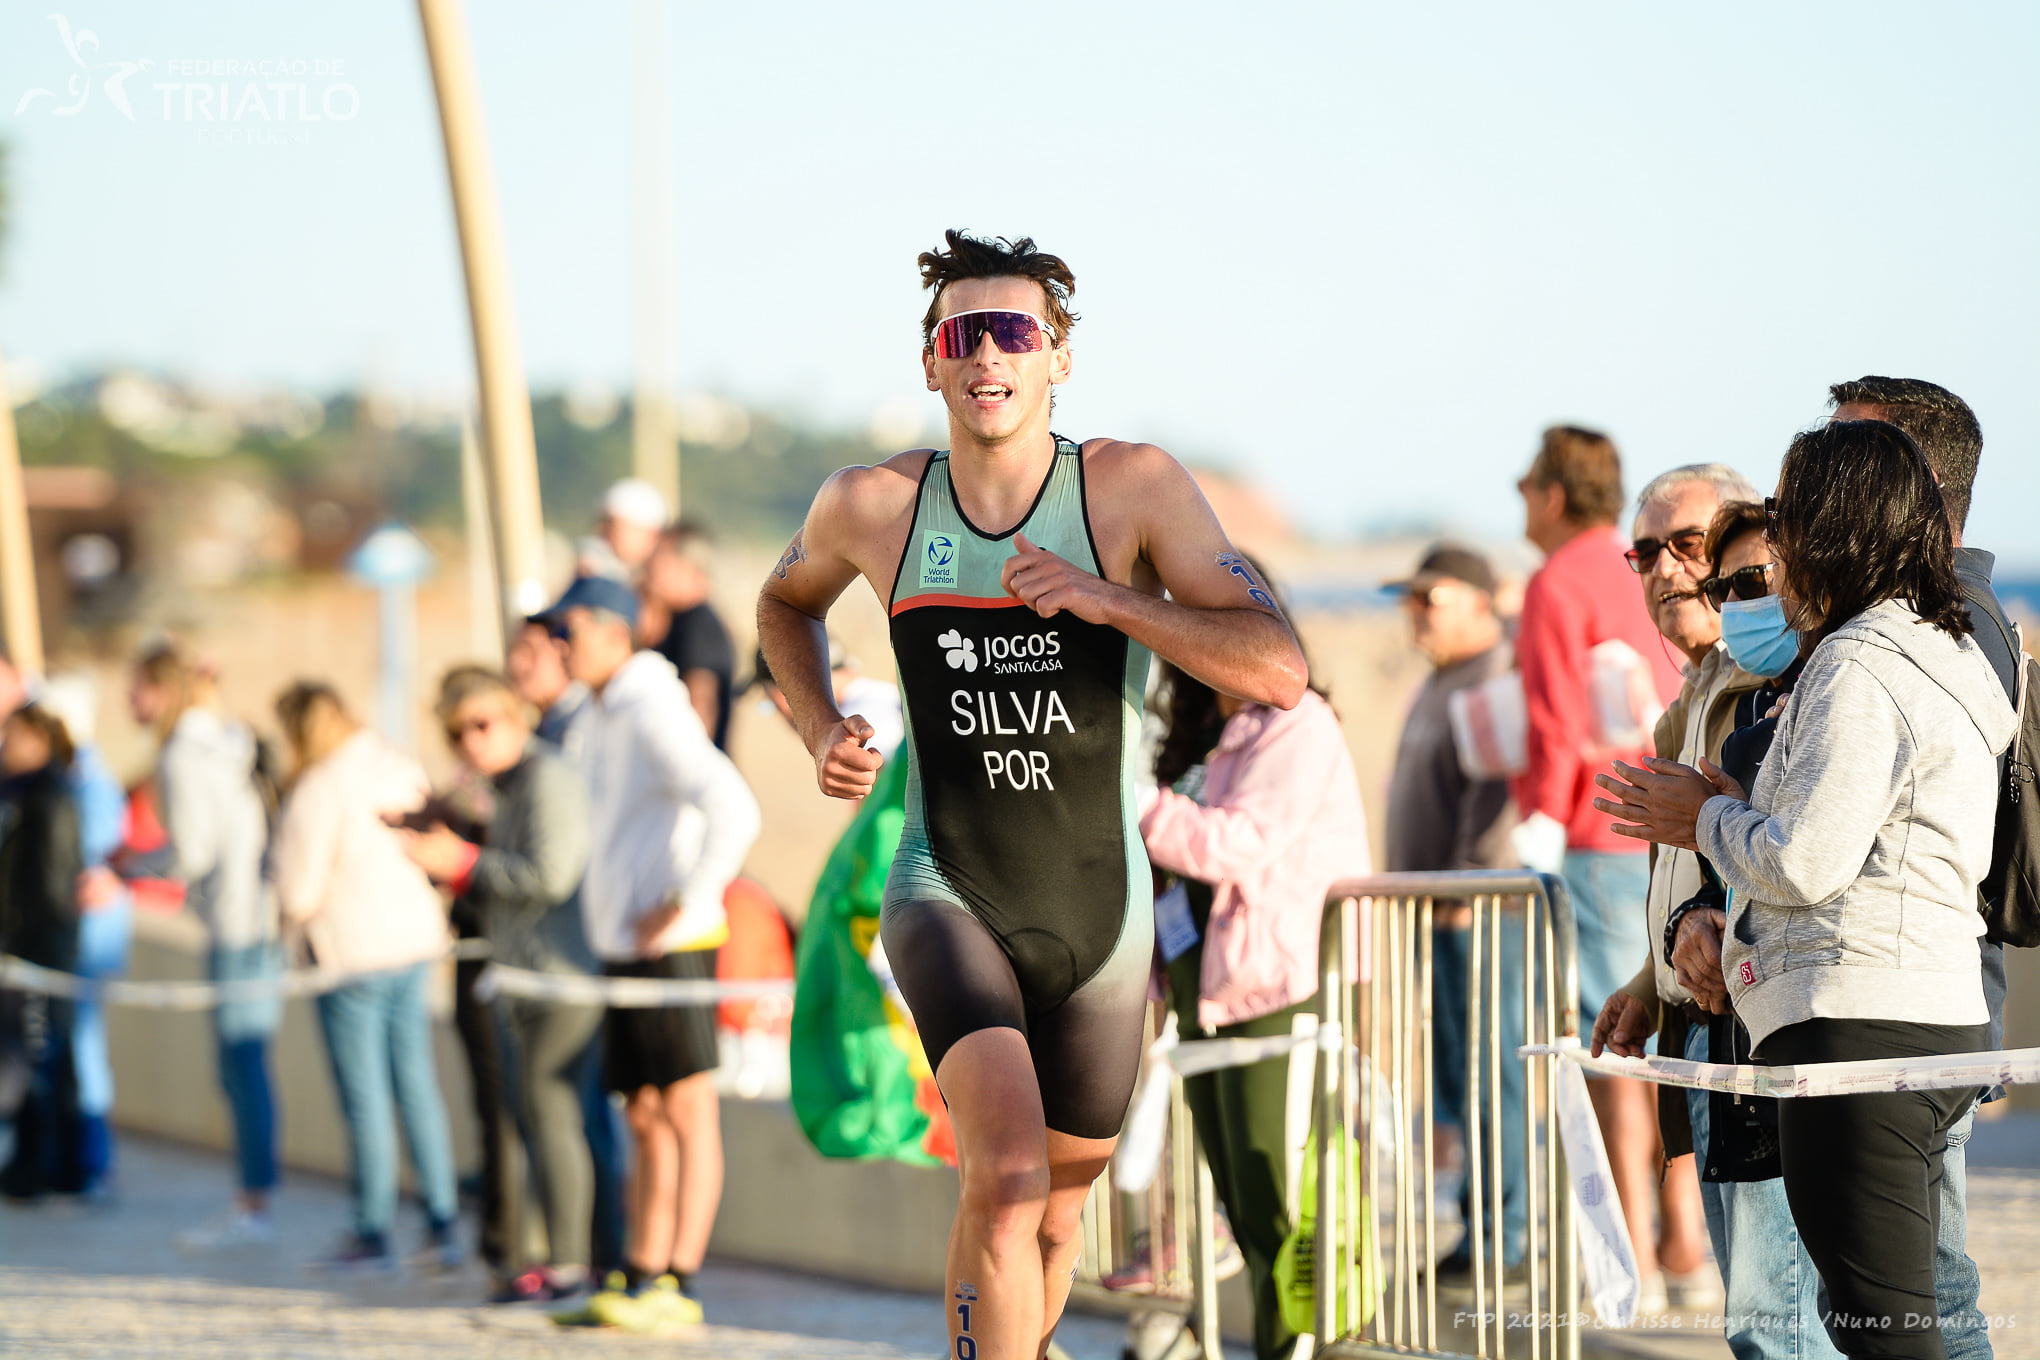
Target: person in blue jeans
(105, 929)
(344, 882)
(216, 830)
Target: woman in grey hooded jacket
(1853, 864)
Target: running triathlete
(1024, 577)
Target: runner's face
(993, 395)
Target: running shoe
(442, 1249)
(1695, 1291)
(615, 1283)
(357, 1252)
(236, 1228)
(541, 1284)
(656, 1308)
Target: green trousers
(1240, 1114)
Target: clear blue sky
(1361, 252)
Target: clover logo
(941, 550)
(961, 651)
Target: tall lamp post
(509, 451)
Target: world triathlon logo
(938, 561)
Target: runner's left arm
(1220, 624)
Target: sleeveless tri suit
(1021, 895)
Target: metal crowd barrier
(1376, 1294)
(1178, 1209)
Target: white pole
(654, 440)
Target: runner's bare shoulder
(862, 513)
(1133, 491)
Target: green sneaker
(614, 1286)
(658, 1308)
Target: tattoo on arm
(794, 555)
(1240, 567)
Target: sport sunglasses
(958, 336)
(1746, 583)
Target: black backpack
(2011, 890)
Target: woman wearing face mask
(1853, 863)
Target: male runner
(1024, 577)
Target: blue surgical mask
(1758, 638)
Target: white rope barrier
(622, 993)
(1139, 1154)
(23, 976)
(2014, 1067)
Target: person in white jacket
(671, 822)
(345, 884)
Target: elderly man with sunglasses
(1025, 578)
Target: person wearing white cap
(633, 514)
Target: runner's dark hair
(980, 257)
(1940, 422)
(1860, 521)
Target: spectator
(524, 880)
(217, 829)
(672, 820)
(1694, 727)
(1580, 599)
(634, 514)
(1267, 819)
(537, 667)
(1947, 432)
(681, 625)
(105, 924)
(106, 913)
(342, 878)
(40, 861)
(1772, 1307)
(1874, 808)
(1440, 818)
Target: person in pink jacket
(1257, 815)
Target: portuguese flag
(861, 1085)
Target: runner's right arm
(811, 575)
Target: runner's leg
(1073, 1164)
(995, 1271)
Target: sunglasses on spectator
(1685, 545)
(958, 336)
(1744, 583)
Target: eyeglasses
(1685, 545)
(958, 336)
(1745, 583)
(1771, 517)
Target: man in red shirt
(1584, 713)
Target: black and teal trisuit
(1021, 895)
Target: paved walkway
(107, 1282)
